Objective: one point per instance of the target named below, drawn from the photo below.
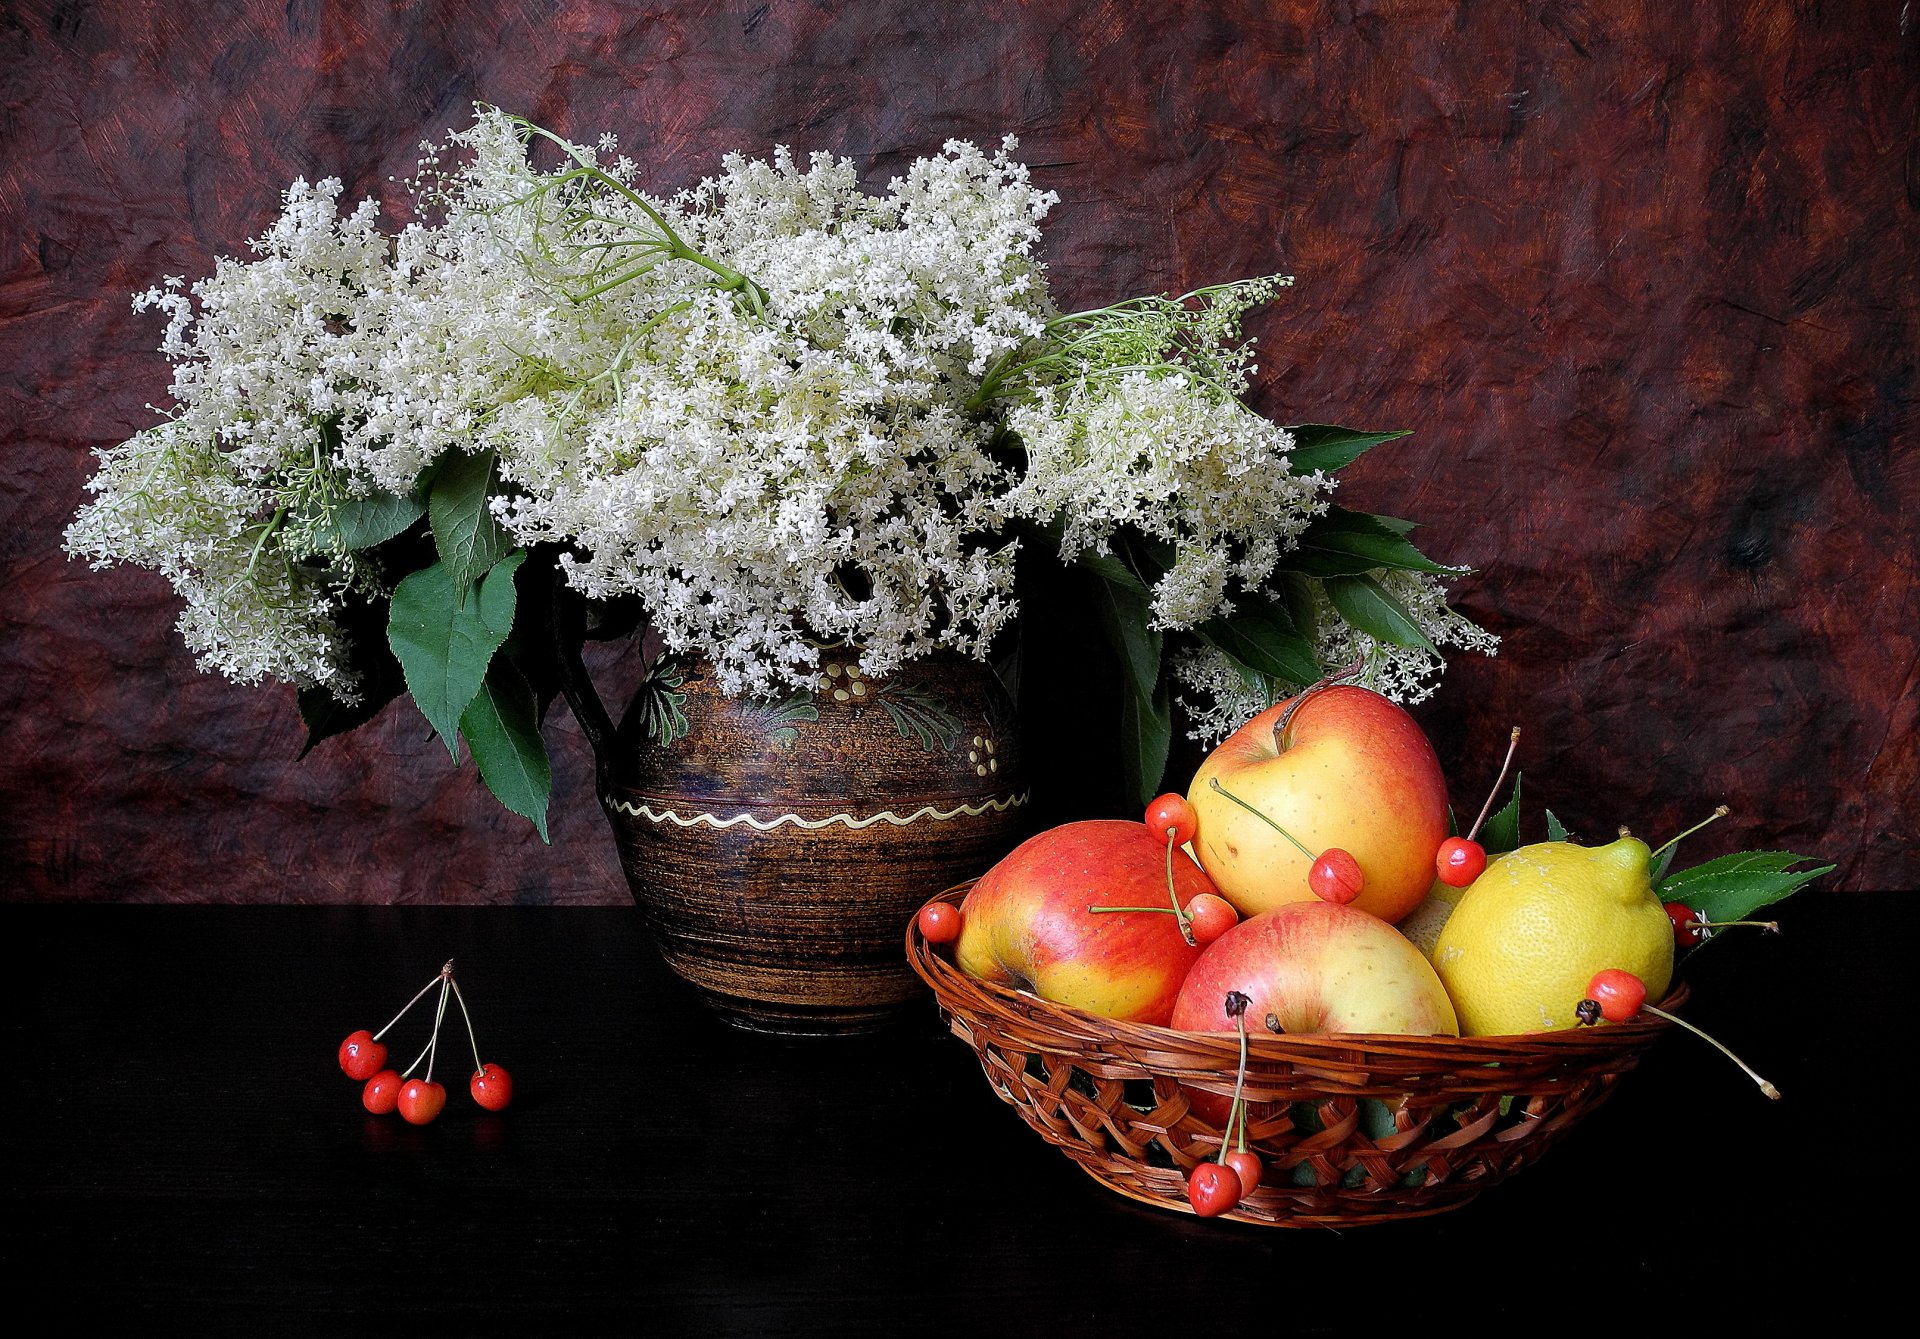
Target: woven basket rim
(969, 996)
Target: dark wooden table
(183, 1150)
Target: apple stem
(1513, 742)
(1299, 699)
(444, 971)
(1716, 815)
(461, 1000)
(1765, 1087)
(1214, 781)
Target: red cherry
(940, 922)
(1171, 811)
(1460, 861)
(361, 1057)
(382, 1093)
(420, 1101)
(1213, 1188)
(1618, 993)
(1210, 916)
(1336, 877)
(492, 1087)
(1248, 1167)
(1687, 930)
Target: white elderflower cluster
(1218, 700)
(777, 409)
(1168, 459)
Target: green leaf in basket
(1735, 886)
(1556, 830)
(1341, 542)
(1376, 1118)
(1502, 831)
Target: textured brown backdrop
(1641, 274)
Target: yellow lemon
(1422, 925)
(1519, 949)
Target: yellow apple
(1352, 771)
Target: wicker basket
(1352, 1128)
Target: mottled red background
(1641, 274)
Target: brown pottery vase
(778, 848)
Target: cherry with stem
(1461, 860)
(1334, 875)
(1617, 995)
(1208, 916)
(490, 1085)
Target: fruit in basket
(1529, 934)
(1027, 922)
(1313, 967)
(1349, 770)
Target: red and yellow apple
(1316, 967)
(1026, 923)
(1353, 771)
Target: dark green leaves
(362, 522)
(444, 636)
(1264, 640)
(1556, 830)
(502, 730)
(1351, 543)
(1363, 602)
(1502, 830)
(470, 541)
(1733, 887)
(1146, 710)
(1325, 448)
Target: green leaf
(1325, 448)
(1364, 603)
(444, 639)
(1662, 863)
(1350, 543)
(1502, 831)
(1124, 616)
(502, 730)
(1296, 594)
(1733, 887)
(326, 715)
(1111, 569)
(1146, 737)
(1556, 830)
(1264, 640)
(470, 541)
(362, 522)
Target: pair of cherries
(363, 1058)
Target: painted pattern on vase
(779, 847)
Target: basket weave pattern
(1352, 1128)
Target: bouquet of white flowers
(771, 411)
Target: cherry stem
(461, 1000)
(1513, 742)
(1300, 698)
(1214, 781)
(1163, 911)
(1771, 927)
(445, 971)
(1185, 921)
(1716, 815)
(1239, 1088)
(1765, 1087)
(433, 1046)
